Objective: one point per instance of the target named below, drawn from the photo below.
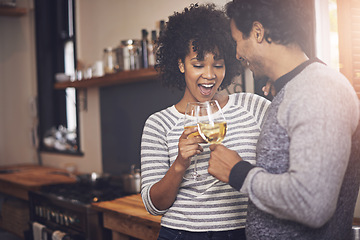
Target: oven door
(63, 218)
(42, 232)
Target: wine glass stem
(195, 169)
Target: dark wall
(124, 110)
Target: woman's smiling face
(202, 76)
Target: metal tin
(132, 181)
(356, 233)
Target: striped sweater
(207, 205)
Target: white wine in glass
(211, 122)
(192, 134)
(213, 133)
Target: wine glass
(211, 122)
(191, 111)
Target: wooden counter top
(128, 216)
(23, 178)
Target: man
(300, 187)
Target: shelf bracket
(82, 100)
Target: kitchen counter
(124, 216)
(17, 180)
(127, 216)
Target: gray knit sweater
(302, 155)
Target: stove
(83, 193)
(67, 208)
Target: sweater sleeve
(257, 107)
(154, 159)
(319, 115)
(238, 174)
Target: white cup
(98, 69)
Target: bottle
(162, 27)
(151, 49)
(144, 49)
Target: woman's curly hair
(285, 21)
(208, 30)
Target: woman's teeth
(205, 89)
(207, 85)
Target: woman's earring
(181, 68)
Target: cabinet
(12, 12)
(127, 217)
(111, 79)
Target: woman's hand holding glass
(189, 145)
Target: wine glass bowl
(211, 122)
(192, 108)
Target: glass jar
(110, 61)
(128, 55)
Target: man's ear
(258, 31)
(181, 66)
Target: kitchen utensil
(356, 233)
(95, 179)
(132, 181)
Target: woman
(197, 54)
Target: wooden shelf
(111, 79)
(12, 12)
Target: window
(327, 44)
(338, 38)
(349, 40)
(56, 53)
